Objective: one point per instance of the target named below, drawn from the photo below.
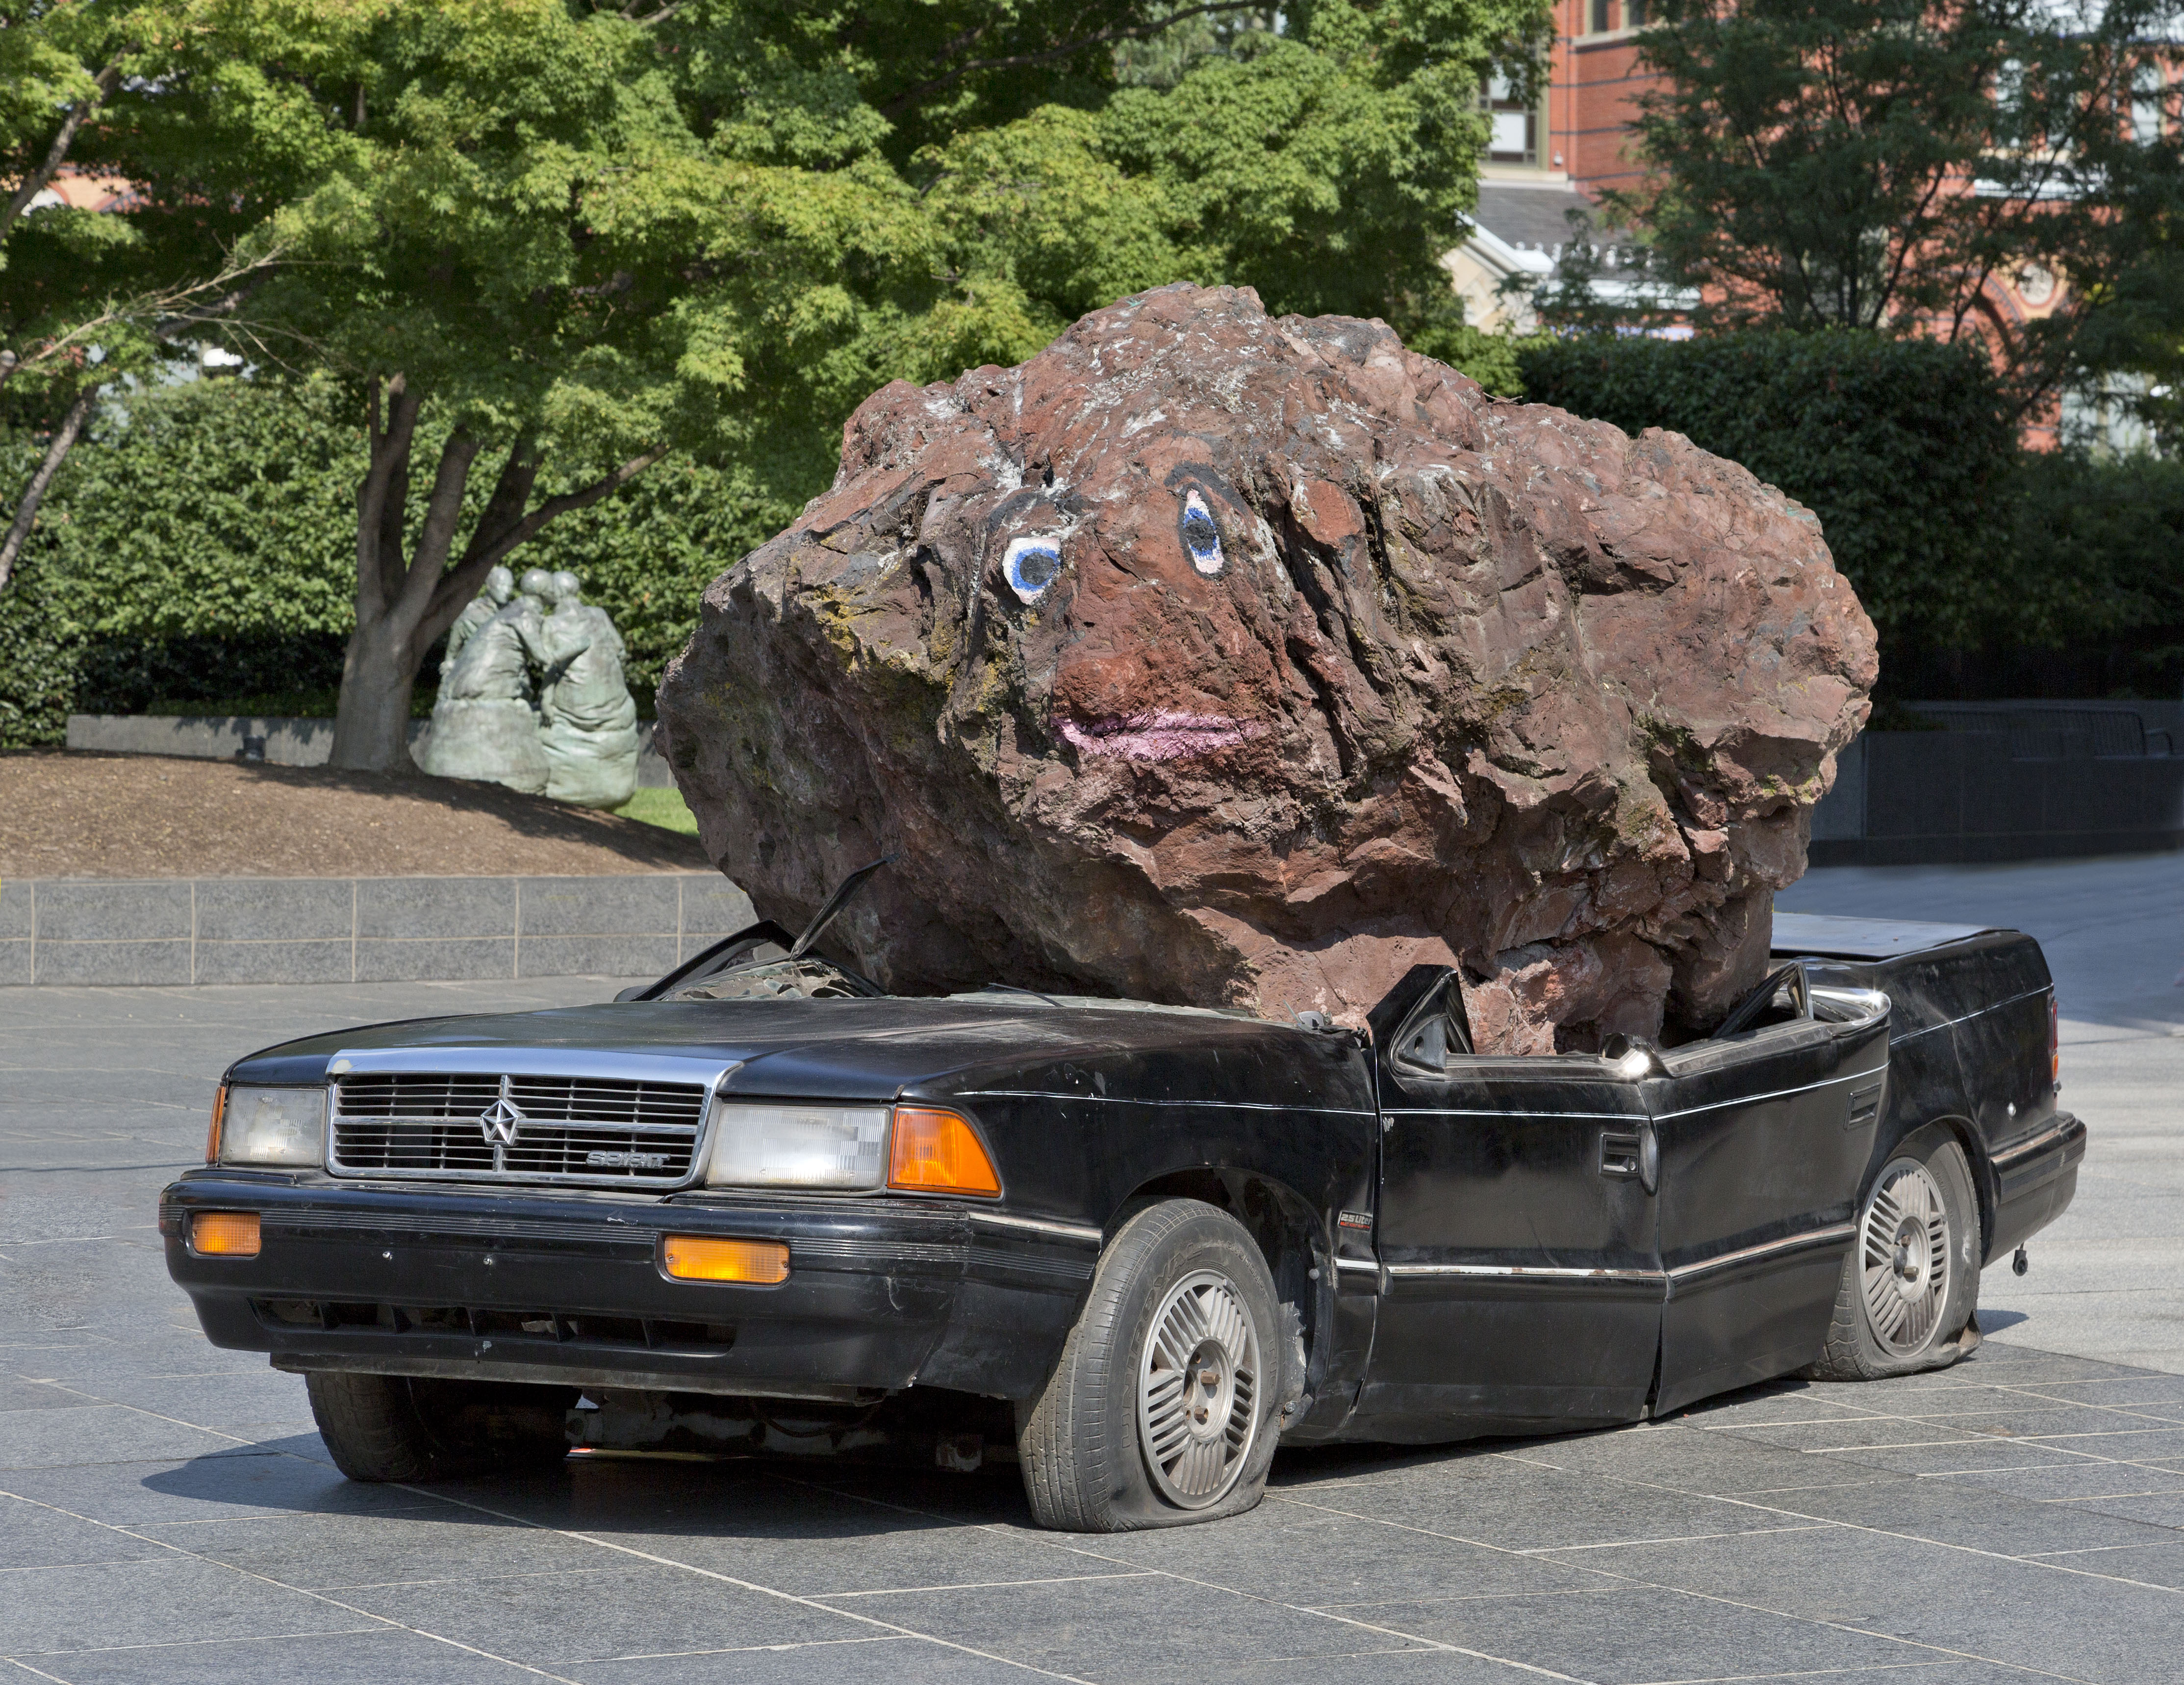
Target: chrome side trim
(1132, 1100)
(1772, 1094)
(1077, 1231)
(1364, 1264)
(1530, 1272)
(1510, 1111)
(1796, 1242)
(1633, 1117)
(1670, 1279)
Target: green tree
(1882, 163)
(87, 298)
(565, 240)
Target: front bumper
(566, 1288)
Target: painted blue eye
(1031, 565)
(1201, 536)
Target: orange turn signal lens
(706, 1258)
(212, 1129)
(937, 1151)
(224, 1234)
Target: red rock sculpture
(1217, 659)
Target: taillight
(2054, 1042)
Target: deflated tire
(1165, 1407)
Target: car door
(1521, 1287)
(1764, 1134)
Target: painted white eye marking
(1032, 565)
(1201, 536)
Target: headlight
(793, 1146)
(274, 1126)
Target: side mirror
(1632, 1056)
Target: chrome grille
(511, 1127)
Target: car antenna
(840, 899)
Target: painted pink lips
(1158, 737)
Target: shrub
(1900, 446)
(197, 550)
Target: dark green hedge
(197, 549)
(1899, 446)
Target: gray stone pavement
(167, 1513)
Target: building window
(1514, 122)
(2146, 101)
(1604, 17)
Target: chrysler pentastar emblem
(500, 1121)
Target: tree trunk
(371, 725)
(402, 608)
(26, 507)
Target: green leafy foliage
(2094, 602)
(1967, 553)
(1895, 164)
(199, 551)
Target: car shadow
(655, 1496)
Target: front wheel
(1164, 1408)
(1911, 1282)
(400, 1427)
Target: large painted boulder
(1232, 661)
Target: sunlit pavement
(167, 1513)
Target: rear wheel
(1910, 1284)
(402, 1427)
(1164, 1409)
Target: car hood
(861, 1049)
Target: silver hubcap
(1903, 1257)
(1198, 1390)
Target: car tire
(1165, 1405)
(1910, 1284)
(397, 1427)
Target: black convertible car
(763, 1206)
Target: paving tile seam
(988, 1585)
(204, 1643)
(1061, 1542)
(1688, 1538)
(1466, 1597)
(2042, 1440)
(748, 1649)
(388, 1622)
(745, 1585)
(1822, 1673)
(2110, 1497)
(1830, 1673)
(463, 1580)
(1879, 1532)
(2139, 1412)
(1738, 1603)
(172, 1420)
(2144, 1411)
